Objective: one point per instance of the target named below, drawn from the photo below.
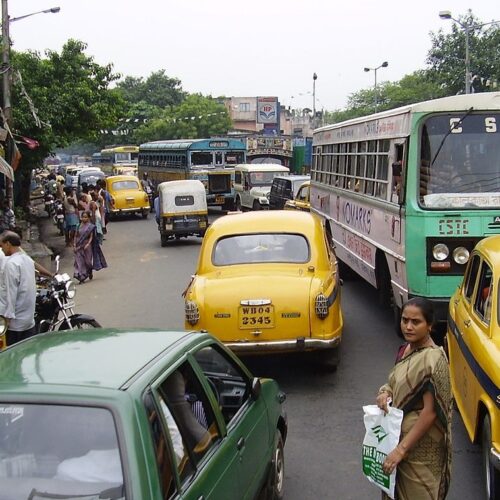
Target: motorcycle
(49, 203)
(150, 193)
(58, 217)
(54, 305)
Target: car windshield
(121, 185)
(54, 451)
(263, 178)
(261, 248)
(460, 161)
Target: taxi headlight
(191, 312)
(70, 289)
(461, 255)
(440, 251)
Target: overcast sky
(254, 48)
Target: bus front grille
(219, 183)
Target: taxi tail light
(192, 312)
(321, 306)
(146, 197)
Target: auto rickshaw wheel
(164, 240)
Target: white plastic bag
(381, 437)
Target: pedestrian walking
(88, 253)
(419, 384)
(70, 204)
(17, 289)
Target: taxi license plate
(251, 317)
(219, 200)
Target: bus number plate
(220, 200)
(256, 317)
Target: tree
(198, 116)
(446, 57)
(412, 88)
(157, 90)
(56, 100)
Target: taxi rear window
(260, 248)
(55, 450)
(120, 185)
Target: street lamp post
(467, 27)
(315, 77)
(383, 65)
(6, 78)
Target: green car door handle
(240, 443)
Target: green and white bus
(407, 193)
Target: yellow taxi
(267, 282)
(474, 350)
(128, 196)
(302, 200)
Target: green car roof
(100, 357)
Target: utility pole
(315, 77)
(7, 107)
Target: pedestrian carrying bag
(381, 437)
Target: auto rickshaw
(181, 210)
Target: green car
(120, 414)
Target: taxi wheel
(145, 214)
(491, 475)
(327, 359)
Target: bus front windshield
(460, 161)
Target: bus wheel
(385, 298)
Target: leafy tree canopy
(58, 99)
(198, 116)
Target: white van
(252, 184)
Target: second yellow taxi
(474, 351)
(268, 282)
(128, 196)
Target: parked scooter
(49, 203)
(58, 216)
(54, 305)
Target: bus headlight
(461, 255)
(440, 251)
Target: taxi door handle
(240, 443)
(467, 322)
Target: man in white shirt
(17, 289)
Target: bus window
(218, 159)
(199, 158)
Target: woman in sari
(419, 384)
(88, 254)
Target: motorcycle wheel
(80, 324)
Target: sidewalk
(41, 239)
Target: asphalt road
(142, 288)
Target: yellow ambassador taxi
(302, 200)
(128, 196)
(474, 351)
(267, 282)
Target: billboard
(267, 110)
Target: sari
(424, 474)
(87, 259)
(84, 238)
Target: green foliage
(446, 57)
(158, 90)
(198, 116)
(58, 99)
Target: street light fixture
(467, 27)
(383, 65)
(315, 77)
(6, 20)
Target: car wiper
(452, 128)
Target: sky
(254, 48)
